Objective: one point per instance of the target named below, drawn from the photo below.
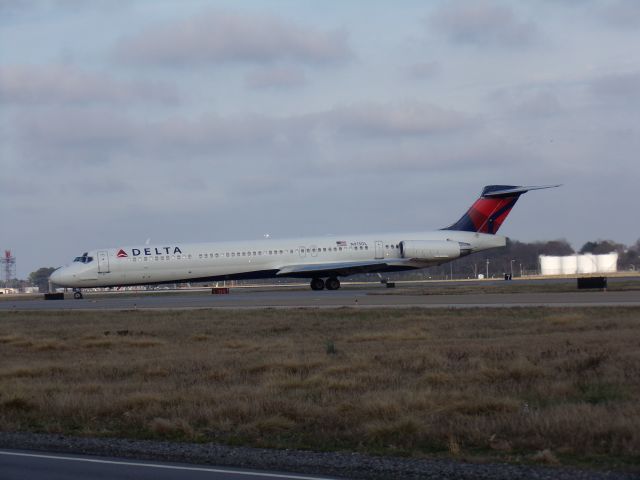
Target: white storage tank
(550, 265)
(569, 265)
(587, 263)
(607, 263)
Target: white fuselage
(268, 258)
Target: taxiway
(360, 298)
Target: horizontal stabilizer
(497, 191)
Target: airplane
(321, 259)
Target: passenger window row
(254, 253)
(160, 258)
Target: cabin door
(303, 252)
(103, 261)
(379, 249)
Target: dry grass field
(555, 385)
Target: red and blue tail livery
(492, 208)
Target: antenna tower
(8, 267)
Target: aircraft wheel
(317, 284)
(77, 295)
(332, 283)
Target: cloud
(482, 23)
(105, 185)
(223, 36)
(96, 135)
(280, 139)
(16, 185)
(99, 5)
(73, 136)
(10, 7)
(391, 120)
(276, 78)
(623, 88)
(178, 137)
(423, 70)
(262, 185)
(58, 84)
(80, 136)
(622, 13)
(28, 6)
(526, 103)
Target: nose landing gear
(77, 294)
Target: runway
(348, 297)
(21, 465)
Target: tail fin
(491, 209)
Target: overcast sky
(193, 120)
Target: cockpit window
(83, 259)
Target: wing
(308, 270)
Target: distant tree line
(39, 278)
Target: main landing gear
(77, 294)
(331, 283)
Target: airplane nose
(58, 277)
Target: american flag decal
(121, 254)
(341, 243)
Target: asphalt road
(22, 465)
(372, 298)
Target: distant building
(578, 264)
(12, 291)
